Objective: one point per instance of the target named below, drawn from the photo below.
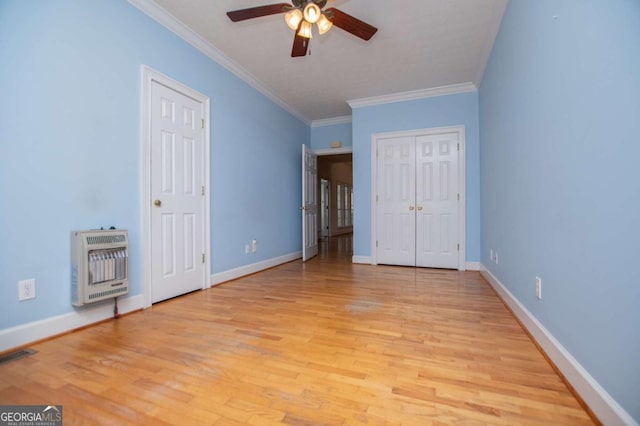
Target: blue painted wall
(560, 120)
(461, 109)
(70, 146)
(322, 136)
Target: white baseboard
(608, 411)
(473, 266)
(31, 332)
(470, 266)
(241, 271)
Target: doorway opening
(176, 217)
(335, 180)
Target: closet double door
(417, 200)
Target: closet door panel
(437, 200)
(395, 220)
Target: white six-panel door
(309, 203)
(177, 193)
(437, 201)
(417, 200)
(396, 201)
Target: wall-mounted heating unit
(99, 265)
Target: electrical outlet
(247, 249)
(539, 288)
(495, 257)
(254, 246)
(26, 289)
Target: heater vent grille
(16, 355)
(108, 293)
(106, 239)
(99, 265)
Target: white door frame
(333, 151)
(460, 130)
(150, 75)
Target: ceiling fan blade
(351, 25)
(256, 12)
(300, 45)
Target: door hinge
(458, 247)
(203, 190)
(458, 197)
(376, 243)
(376, 198)
(203, 123)
(376, 153)
(458, 147)
(202, 257)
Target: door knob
(411, 208)
(157, 203)
(419, 208)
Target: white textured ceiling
(420, 44)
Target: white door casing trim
(460, 130)
(333, 151)
(149, 76)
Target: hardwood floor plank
(319, 343)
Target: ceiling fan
(300, 17)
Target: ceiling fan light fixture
(324, 24)
(293, 19)
(312, 13)
(300, 15)
(305, 30)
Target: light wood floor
(325, 342)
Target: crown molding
(413, 95)
(164, 18)
(331, 121)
